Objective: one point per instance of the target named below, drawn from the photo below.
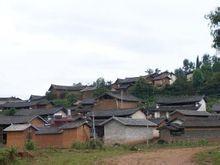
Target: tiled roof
(6, 120)
(39, 112)
(88, 101)
(18, 127)
(192, 113)
(131, 122)
(49, 130)
(157, 120)
(124, 97)
(128, 80)
(66, 88)
(75, 124)
(201, 122)
(114, 112)
(88, 88)
(179, 99)
(36, 97)
(175, 107)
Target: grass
(71, 156)
(84, 156)
(209, 157)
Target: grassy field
(70, 157)
(94, 156)
(209, 157)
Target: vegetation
(92, 144)
(8, 156)
(101, 87)
(29, 145)
(209, 157)
(10, 112)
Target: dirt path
(183, 156)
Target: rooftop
(114, 112)
(192, 113)
(118, 96)
(179, 99)
(67, 88)
(131, 122)
(216, 107)
(18, 127)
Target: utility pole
(93, 126)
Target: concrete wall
(115, 132)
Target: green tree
(216, 67)
(142, 89)
(214, 18)
(101, 87)
(198, 63)
(188, 66)
(198, 79)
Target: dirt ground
(179, 156)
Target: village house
(167, 105)
(88, 92)
(6, 121)
(101, 116)
(191, 126)
(112, 100)
(189, 76)
(62, 136)
(4, 100)
(19, 134)
(46, 114)
(118, 130)
(163, 79)
(216, 108)
(59, 91)
(27, 104)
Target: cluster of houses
(114, 117)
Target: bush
(79, 145)
(7, 156)
(29, 145)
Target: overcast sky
(62, 42)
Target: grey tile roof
(157, 120)
(66, 88)
(58, 130)
(9, 99)
(124, 97)
(88, 101)
(179, 99)
(74, 124)
(216, 107)
(131, 122)
(172, 108)
(192, 113)
(114, 112)
(39, 112)
(89, 88)
(25, 104)
(6, 120)
(49, 130)
(36, 97)
(128, 80)
(18, 127)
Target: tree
(180, 73)
(214, 18)
(149, 71)
(188, 66)
(142, 89)
(216, 67)
(198, 79)
(198, 63)
(101, 87)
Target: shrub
(79, 145)
(94, 144)
(29, 145)
(7, 156)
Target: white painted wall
(156, 114)
(203, 105)
(138, 115)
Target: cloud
(43, 42)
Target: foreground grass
(71, 157)
(209, 157)
(88, 156)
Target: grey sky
(62, 42)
